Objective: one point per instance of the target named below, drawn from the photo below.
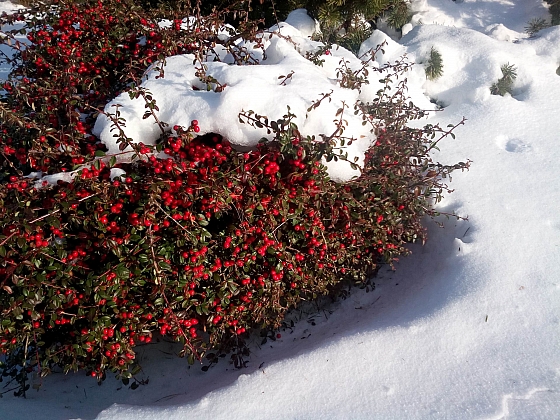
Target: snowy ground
(468, 327)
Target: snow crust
(468, 327)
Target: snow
(476, 14)
(284, 79)
(468, 326)
(300, 20)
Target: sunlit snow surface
(468, 327)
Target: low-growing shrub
(202, 245)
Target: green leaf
(97, 164)
(122, 271)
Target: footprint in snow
(512, 145)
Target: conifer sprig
(535, 25)
(505, 83)
(341, 19)
(434, 69)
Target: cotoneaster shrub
(201, 246)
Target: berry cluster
(78, 56)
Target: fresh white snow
(468, 327)
(285, 78)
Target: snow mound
(285, 78)
(472, 62)
(304, 23)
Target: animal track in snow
(512, 145)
